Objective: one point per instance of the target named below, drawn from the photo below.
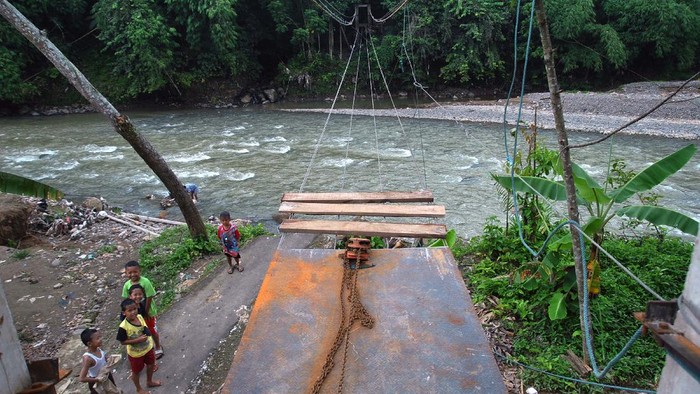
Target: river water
(244, 159)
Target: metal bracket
(659, 318)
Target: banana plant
(602, 205)
(15, 184)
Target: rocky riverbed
(599, 112)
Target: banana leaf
(15, 184)
(655, 173)
(557, 307)
(548, 188)
(587, 188)
(661, 216)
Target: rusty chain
(357, 312)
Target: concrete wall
(674, 379)
(15, 376)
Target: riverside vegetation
(536, 299)
(175, 51)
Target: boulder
(94, 203)
(271, 95)
(14, 218)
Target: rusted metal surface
(659, 319)
(426, 338)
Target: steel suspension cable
(396, 112)
(352, 113)
(390, 13)
(374, 117)
(325, 126)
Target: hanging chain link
(357, 312)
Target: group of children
(137, 330)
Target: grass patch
(21, 254)
(493, 260)
(104, 249)
(164, 258)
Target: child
(135, 335)
(230, 237)
(137, 294)
(132, 270)
(93, 360)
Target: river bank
(598, 112)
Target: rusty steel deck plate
(426, 337)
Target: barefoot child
(93, 360)
(135, 335)
(132, 270)
(230, 238)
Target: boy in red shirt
(230, 238)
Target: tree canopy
(131, 48)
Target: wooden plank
(307, 208)
(364, 228)
(360, 197)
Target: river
(244, 159)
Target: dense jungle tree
(129, 48)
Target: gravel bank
(599, 112)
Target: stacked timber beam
(363, 204)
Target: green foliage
(142, 42)
(545, 325)
(164, 258)
(15, 184)
(21, 254)
(160, 46)
(104, 249)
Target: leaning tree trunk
(120, 122)
(565, 157)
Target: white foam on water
(67, 165)
(104, 157)
(239, 128)
(452, 178)
(92, 148)
(279, 126)
(396, 152)
(173, 124)
(249, 142)
(46, 175)
(198, 173)
(25, 159)
(142, 178)
(90, 175)
(280, 149)
(591, 170)
(187, 158)
(336, 162)
(243, 150)
(238, 176)
(471, 161)
(278, 138)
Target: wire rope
(512, 82)
(417, 85)
(562, 377)
(396, 112)
(389, 14)
(374, 118)
(352, 113)
(333, 13)
(325, 126)
(575, 226)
